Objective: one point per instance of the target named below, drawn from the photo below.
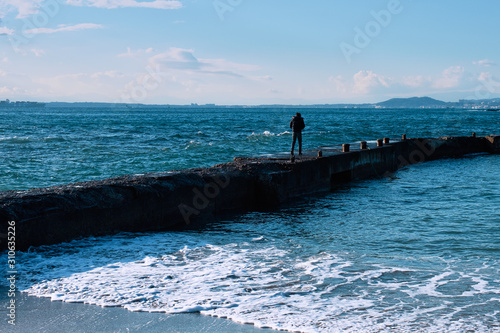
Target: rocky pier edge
(186, 199)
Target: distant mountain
(412, 102)
(393, 103)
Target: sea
(416, 252)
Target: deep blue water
(51, 146)
(415, 252)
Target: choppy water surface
(52, 146)
(419, 252)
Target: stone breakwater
(191, 198)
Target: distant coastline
(393, 103)
(8, 104)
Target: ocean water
(51, 146)
(418, 252)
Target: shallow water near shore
(415, 252)
(41, 315)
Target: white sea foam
(15, 139)
(267, 134)
(256, 282)
(263, 134)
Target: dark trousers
(297, 136)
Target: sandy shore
(35, 314)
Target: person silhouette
(297, 125)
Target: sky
(248, 51)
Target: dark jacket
(297, 124)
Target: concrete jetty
(191, 198)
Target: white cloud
(364, 81)
(488, 84)
(485, 63)
(484, 76)
(185, 60)
(450, 78)
(112, 4)
(15, 85)
(103, 84)
(175, 75)
(133, 54)
(262, 78)
(340, 84)
(63, 27)
(274, 91)
(7, 91)
(415, 81)
(6, 31)
(223, 64)
(368, 84)
(177, 58)
(24, 8)
(107, 74)
(179, 74)
(361, 83)
(38, 52)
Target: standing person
(297, 125)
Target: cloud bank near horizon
(163, 51)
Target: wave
(267, 134)
(15, 139)
(29, 139)
(256, 282)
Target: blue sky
(248, 51)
